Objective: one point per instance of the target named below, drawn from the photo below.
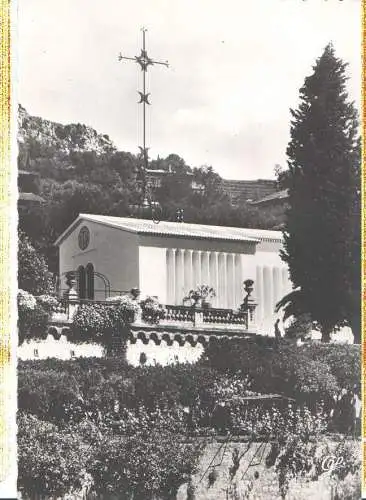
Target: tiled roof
(279, 195)
(240, 190)
(178, 229)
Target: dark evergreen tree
(322, 232)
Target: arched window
(81, 282)
(90, 281)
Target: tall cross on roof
(144, 62)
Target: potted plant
(152, 310)
(200, 295)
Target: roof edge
(87, 217)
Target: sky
(235, 69)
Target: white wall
(156, 354)
(152, 272)
(113, 253)
(60, 349)
(163, 354)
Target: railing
(224, 316)
(179, 313)
(203, 316)
(186, 316)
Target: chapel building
(112, 255)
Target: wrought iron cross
(144, 61)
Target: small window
(72, 353)
(89, 273)
(36, 353)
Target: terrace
(182, 323)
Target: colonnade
(271, 284)
(188, 268)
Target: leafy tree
(322, 232)
(33, 273)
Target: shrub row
(54, 462)
(307, 373)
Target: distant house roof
(279, 195)
(241, 190)
(27, 172)
(177, 229)
(30, 197)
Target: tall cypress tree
(322, 232)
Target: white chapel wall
(153, 272)
(113, 253)
(271, 283)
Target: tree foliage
(322, 232)
(33, 273)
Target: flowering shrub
(101, 322)
(26, 301)
(152, 310)
(126, 303)
(32, 317)
(48, 302)
(89, 322)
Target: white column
(205, 269)
(194, 268)
(199, 274)
(188, 285)
(277, 285)
(229, 278)
(285, 281)
(271, 294)
(170, 253)
(179, 276)
(267, 295)
(221, 296)
(216, 266)
(259, 293)
(213, 274)
(238, 282)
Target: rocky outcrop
(63, 138)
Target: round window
(84, 237)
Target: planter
(206, 304)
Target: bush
(102, 322)
(147, 465)
(33, 274)
(49, 395)
(50, 462)
(288, 370)
(343, 360)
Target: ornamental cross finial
(144, 61)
